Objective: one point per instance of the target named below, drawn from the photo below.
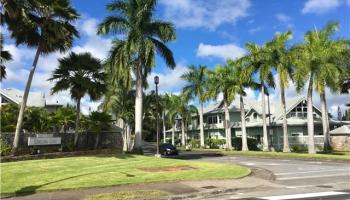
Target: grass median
(102, 171)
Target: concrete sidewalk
(177, 190)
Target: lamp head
(156, 80)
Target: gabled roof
(345, 129)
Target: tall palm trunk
(285, 128)
(325, 122)
(265, 139)
(77, 120)
(24, 102)
(173, 134)
(183, 140)
(125, 143)
(138, 110)
(243, 127)
(164, 135)
(310, 118)
(201, 125)
(227, 126)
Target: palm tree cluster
(120, 79)
(320, 60)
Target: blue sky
(208, 32)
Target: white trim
(300, 196)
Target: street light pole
(156, 81)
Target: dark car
(168, 149)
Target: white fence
(300, 141)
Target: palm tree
(186, 112)
(222, 80)
(119, 101)
(174, 103)
(143, 37)
(81, 74)
(243, 80)
(64, 118)
(280, 59)
(5, 56)
(317, 62)
(46, 25)
(258, 60)
(196, 87)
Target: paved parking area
(296, 173)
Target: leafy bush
(5, 149)
(298, 148)
(194, 143)
(252, 144)
(215, 143)
(68, 147)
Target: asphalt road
(319, 179)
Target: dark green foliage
(99, 121)
(5, 149)
(215, 143)
(252, 144)
(81, 74)
(63, 118)
(43, 23)
(36, 120)
(9, 115)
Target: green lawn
(340, 156)
(130, 195)
(101, 171)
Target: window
(255, 115)
(212, 119)
(220, 119)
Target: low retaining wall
(86, 141)
(340, 142)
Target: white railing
(300, 140)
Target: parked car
(168, 149)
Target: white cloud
(320, 6)
(283, 17)
(221, 51)
(204, 14)
(169, 81)
(18, 68)
(255, 30)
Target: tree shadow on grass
(195, 155)
(32, 189)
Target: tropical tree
(143, 36)
(99, 121)
(64, 118)
(5, 56)
(222, 81)
(8, 115)
(46, 25)
(258, 62)
(174, 103)
(243, 79)
(36, 120)
(317, 62)
(186, 112)
(281, 60)
(119, 101)
(81, 74)
(196, 79)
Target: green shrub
(194, 143)
(298, 148)
(252, 144)
(215, 143)
(67, 147)
(5, 149)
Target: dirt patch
(168, 168)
